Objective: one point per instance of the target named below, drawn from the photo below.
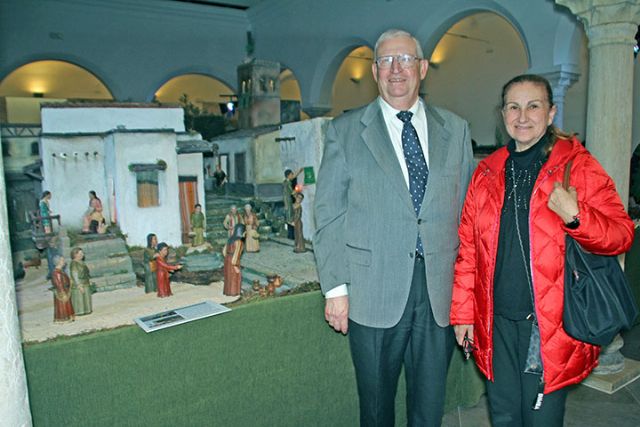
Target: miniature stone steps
(109, 263)
(216, 209)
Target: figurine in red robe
(232, 252)
(62, 308)
(163, 268)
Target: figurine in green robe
(197, 225)
(80, 286)
(149, 257)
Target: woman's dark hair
(161, 246)
(150, 237)
(45, 194)
(238, 232)
(554, 132)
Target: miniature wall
(136, 222)
(103, 118)
(305, 150)
(18, 140)
(268, 168)
(72, 166)
(232, 146)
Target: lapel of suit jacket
(376, 137)
(438, 151)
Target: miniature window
(5, 149)
(35, 149)
(147, 186)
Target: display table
(269, 363)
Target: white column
(560, 82)
(14, 400)
(611, 26)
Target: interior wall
(354, 85)
(470, 64)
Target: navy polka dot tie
(416, 166)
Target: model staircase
(109, 262)
(217, 208)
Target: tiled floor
(585, 407)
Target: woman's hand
(461, 331)
(564, 203)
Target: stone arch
(161, 81)
(74, 62)
(215, 90)
(319, 86)
(567, 43)
(289, 77)
(354, 85)
(430, 37)
(475, 56)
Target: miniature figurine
(80, 286)
(163, 268)
(197, 225)
(274, 281)
(232, 252)
(62, 308)
(288, 192)
(297, 224)
(220, 177)
(45, 211)
(93, 216)
(149, 258)
(251, 222)
(232, 219)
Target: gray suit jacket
(366, 227)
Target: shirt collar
(387, 109)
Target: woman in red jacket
(509, 275)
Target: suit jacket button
(419, 221)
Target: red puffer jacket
(605, 228)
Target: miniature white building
(255, 161)
(138, 159)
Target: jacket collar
(377, 139)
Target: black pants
(417, 341)
(512, 394)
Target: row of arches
(470, 62)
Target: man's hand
(336, 312)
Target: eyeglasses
(404, 60)
(513, 109)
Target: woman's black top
(512, 296)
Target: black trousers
(417, 341)
(512, 394)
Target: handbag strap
(567, 175)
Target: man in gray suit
(389, 194)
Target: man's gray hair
(392, 34)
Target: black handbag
(597, 300)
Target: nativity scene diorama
(133, 222)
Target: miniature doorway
(188, 193)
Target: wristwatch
(575, 223)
